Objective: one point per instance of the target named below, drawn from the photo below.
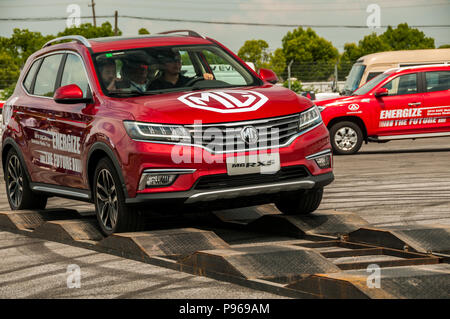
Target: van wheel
(346, 138)
(112, 214)
(302, 203)
(19, 193)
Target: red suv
(401, 103)
(164, 122)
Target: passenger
(108, 74)
(137, 75)
(172, 77)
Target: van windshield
(157, 70)
(354, 78)
(371, 84)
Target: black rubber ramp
(318, 223)
(276, 262)
(32, 219)
(70, 230)
(170, 243)
(420, 238)
(409, 282)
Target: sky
(292, 12)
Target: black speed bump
(276, 262)
(32, 219)
(169, 243)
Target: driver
(172, 77)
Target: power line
(225, 22)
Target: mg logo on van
(230, 101)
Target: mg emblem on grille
(228, 101)
(249, 135)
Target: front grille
(226, 137)
(224, 181)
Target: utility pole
(115, 22)
(93, 11)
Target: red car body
(95, 129)
(410, 113)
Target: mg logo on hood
(230, 101)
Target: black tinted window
(372, 75)
(46, 77)
(437, 81)
(404, 84)
(29, 78)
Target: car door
(436, 101)
(70, 124)
(401, 108)
(34, 113)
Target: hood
(338, 101)
(214, 106)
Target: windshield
(371, 84)
(157, 70)
(354, 78)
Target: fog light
(152, 180)
(323, 161)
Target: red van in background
(401, 103)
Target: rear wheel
(300, 203)
(19, 193)
(346, 138)
(112, 214)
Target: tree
(255, 51)
(9, 70)
(313, 56)
(143, 31)
(88, 31)
(406, 38)
(277, 62)
(444, 46)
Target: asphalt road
(397, 183)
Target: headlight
(157, 132)
(309, 118)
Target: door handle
(414, 104)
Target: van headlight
(157, 132)
(309, 118)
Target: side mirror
(381, 92)
(70, 94)
(268, 75)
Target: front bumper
(196, 196)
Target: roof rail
(78, 38)
(189, 32)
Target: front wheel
(346, 138)
(112, 214)
(300, 203)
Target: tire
(18, 191)
(113, 215)
(346, 138)
(300, 203)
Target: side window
(222, 69)
(74, 74)
(30, 75)
(437, 81)
(371, 75)
(187, 69)
(46, 77)
(404, 84)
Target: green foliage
(7, 92)
(143, 31)
(313, 56)
(444, 46)
(9, 70)
(296, 86)
(406, 38)
(277, 62)
(88, 31)
(255, 51)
